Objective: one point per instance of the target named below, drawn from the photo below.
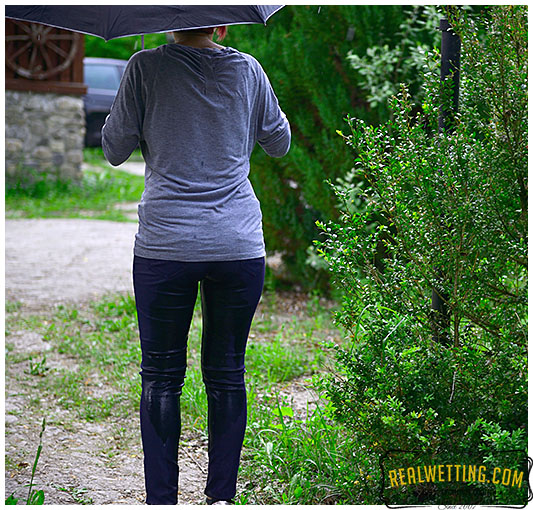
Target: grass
(95, 196)
(290, 460)
(103, 342)
(287, 458)
(95, 156)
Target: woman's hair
(220, 31)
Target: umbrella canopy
(111, 21)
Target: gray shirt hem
(198, 256)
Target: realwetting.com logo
(455, 473)
(429, 478)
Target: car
(102, 77)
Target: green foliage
(36, 497)
(383, 68)
(13, 306)
(297, 458)
(78, 495)
(98, 381)
(38, 367)
(451, 215)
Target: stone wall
(44, 132)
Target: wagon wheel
(37, 51)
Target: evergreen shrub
(449, 210)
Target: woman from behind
(196, 109)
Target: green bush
(382, 68)
(449, 211)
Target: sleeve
(122, 130)
(273, 129)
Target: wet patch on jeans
(162, 408)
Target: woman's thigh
(165, 295)
(230, 295)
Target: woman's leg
(165, 294)
(230, 294)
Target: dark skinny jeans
(165, 294)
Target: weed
(34, 497)
(13, 306)
(291, 460)
(10, 464)
(275, 362)
(194, 400)
(78, 494)
(11, 500)
(38, 368)
(15, 357)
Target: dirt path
(52, 261)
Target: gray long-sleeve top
(197, 114)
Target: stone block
(44, 131)
(77, 118)
(42, 153)
(66, 103)
(13, 145)
(74, 140)
(15, 99)
(70, 171)
(43, 103)
(57, 121)
(57, 145)
(58, 158)
(75, 157)
(39, 129)
(11, 169)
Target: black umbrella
(111, 21)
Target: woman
(196, 109)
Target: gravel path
(50, 261)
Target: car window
(102, 76)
